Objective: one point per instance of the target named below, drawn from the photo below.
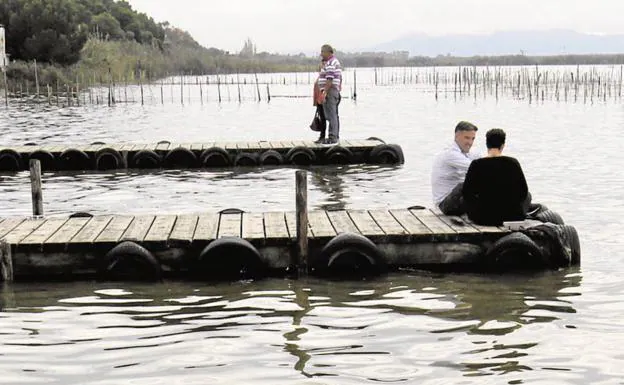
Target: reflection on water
(553, 328)
(400, 328)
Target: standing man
(330, 81)
(449, 170)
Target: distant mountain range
(532, 43)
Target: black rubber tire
(180, 157)
(534, 209)
(97, 143)
(549, 216)
(246, 159)
(108, 159)
(515, 251)
(81, 214)
(300, 156)
(129, 261)
(338, 155)
(230, 258)
(215, 157)
(351, 255)
(271, 158)
(573, 241)
(10, 160)
(231, 210)
(163, 142)
(377, 139)
(147, 159)
(45, 158)
(386, 154)
(30, 144)
(74, 159)
(416, 207)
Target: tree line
(55, 31)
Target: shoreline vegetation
(81, 43)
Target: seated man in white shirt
(449, 170)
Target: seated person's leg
(453, 204)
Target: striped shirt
(331, 70)
(449, 169)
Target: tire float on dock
(101, 156)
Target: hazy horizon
(286, 26)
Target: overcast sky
(350, 25)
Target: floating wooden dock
(230, 243)
(101, 156)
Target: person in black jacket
(495, 189)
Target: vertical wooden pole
(301, 258)
(354, 85)
(257, 86)
(268, 94)
(6, 262)
(36, 79)
(35, 184)
(6, 89)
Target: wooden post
(36, 79)
(354, 85)
(35, 184)
(257, 86)
(268, 94)
(6, 89)
(301, 257)
(6, 262)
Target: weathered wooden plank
(184, 229)
(387, 222)
(43, 232)
(138, 228)
(242, 146)
(342, 222)
(291, 223)
(22, 230)
(412, 224)
(253, 226)
(68, 231)
(230, 225)
(458, 224)
(320, 224)
(9, 224)
(433, 222)
(228, 145)
(196, 147)
(162, 146)
(207, 227)
(92, 230)
(160, 229)
(139, 147)
(275, 225)
(365, 223)
(264, 145)
(93, 147)
(114, 230)
(489, 229)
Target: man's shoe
(320, 141)
(330, 141)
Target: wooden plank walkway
(67, 244)
(191, 155)
(381, 226)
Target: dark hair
(465, 126)
(495, 138)
(328, 48)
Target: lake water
(560, 327)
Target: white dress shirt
(449, 169)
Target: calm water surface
(551, 328)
